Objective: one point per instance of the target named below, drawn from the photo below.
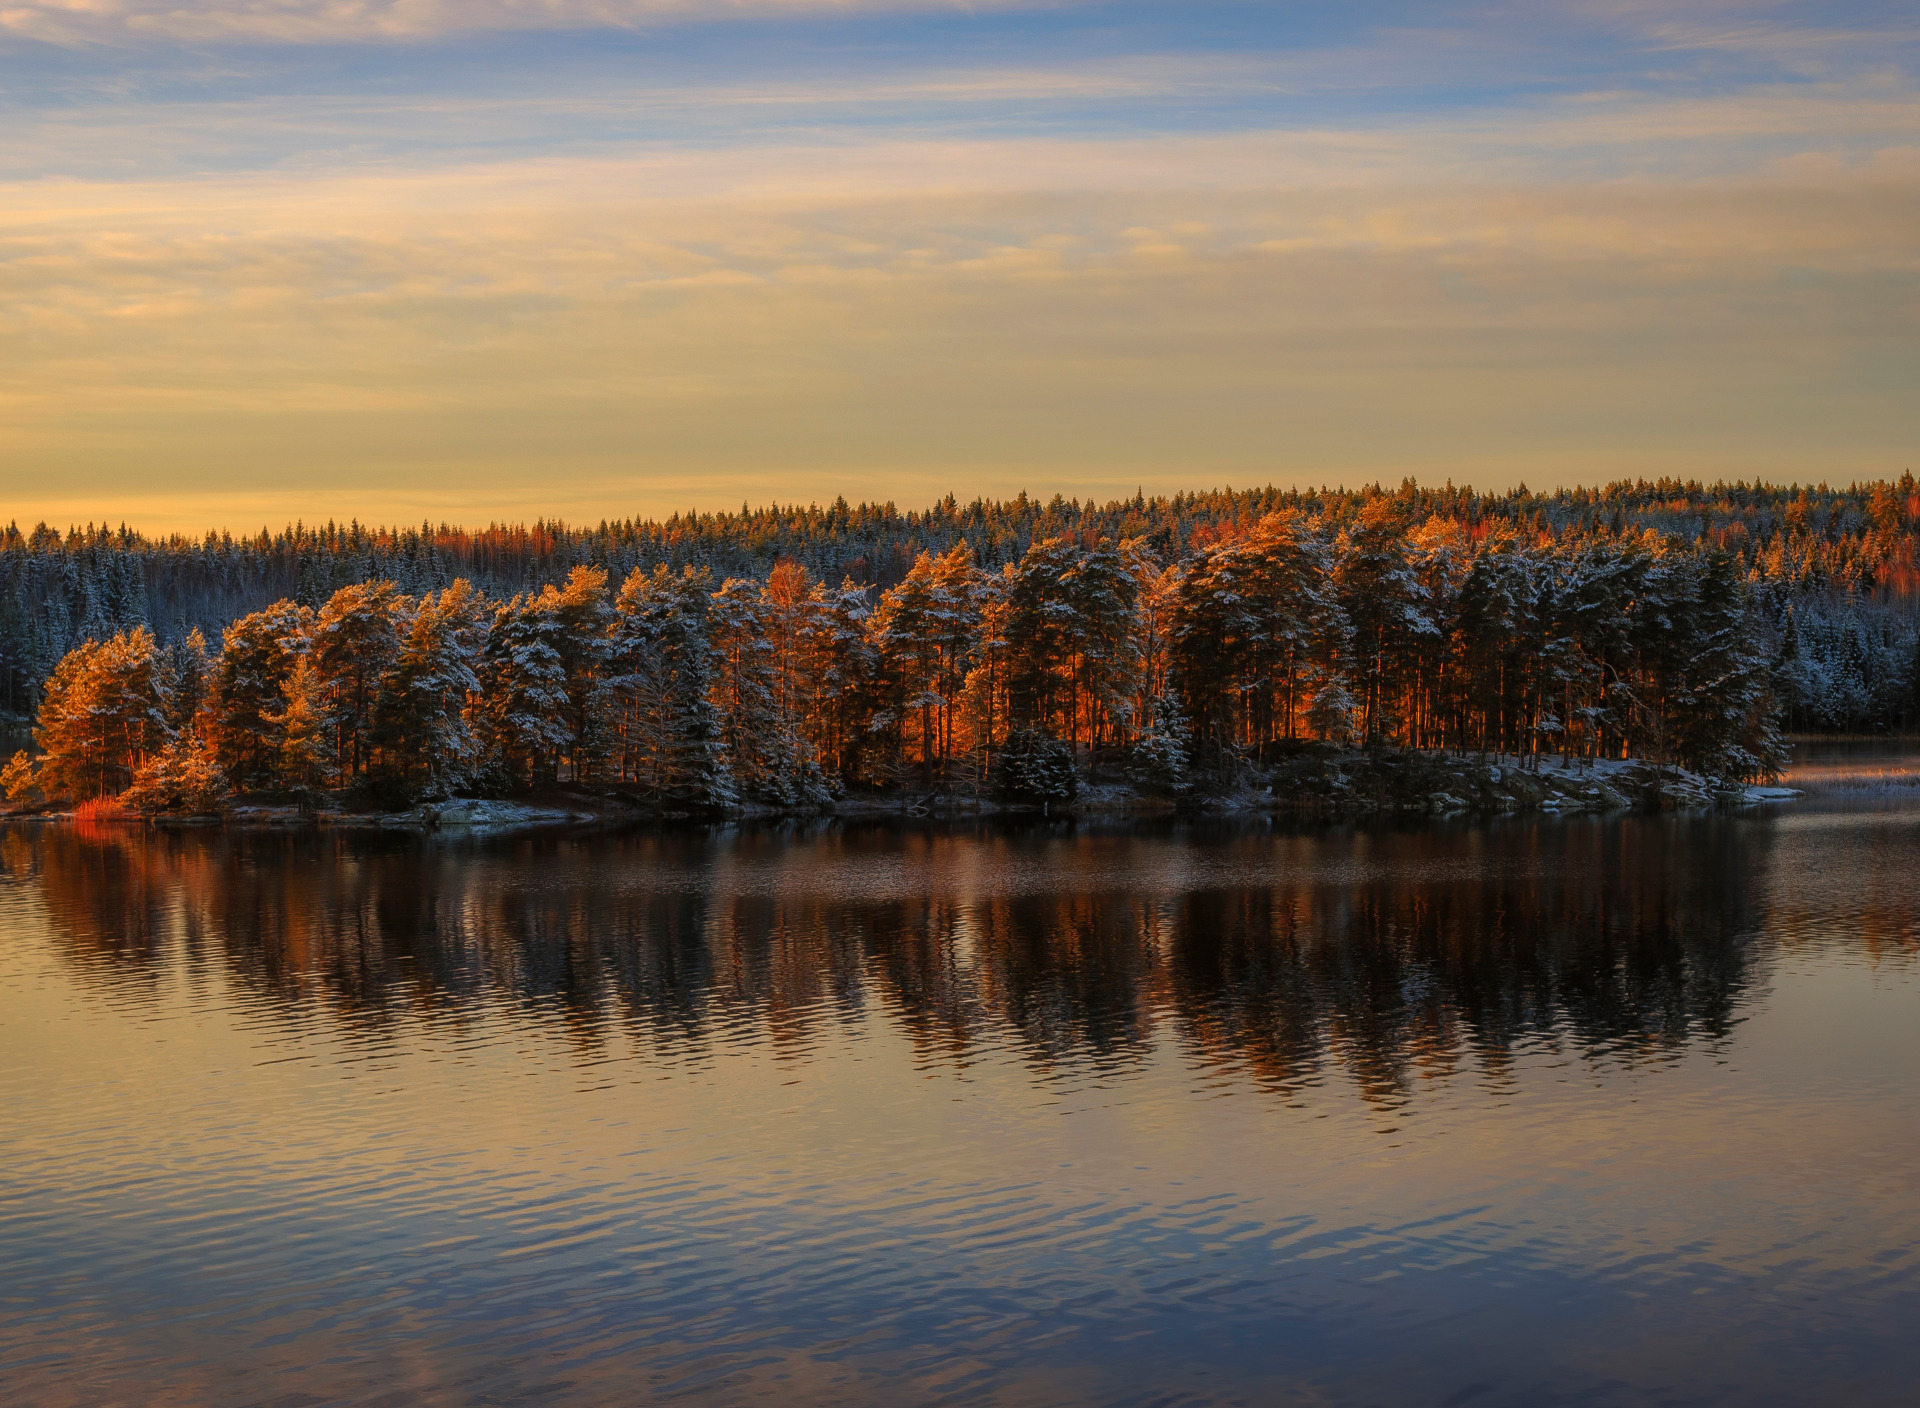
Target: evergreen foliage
(663, 666)
(183, 777)
(1158, 762)
(258, 655)
(1166, 638)
(354, 641)
(1035, 768)
(423, 728)
(105, 712)
(20, 782)
(523, 711)
(301, 728)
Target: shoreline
(1316, 784)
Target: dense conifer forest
(786, 655)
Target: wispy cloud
(588, 285)
(348, 21)
(659, 319)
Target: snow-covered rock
(474, 812)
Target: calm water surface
(1583, 1112)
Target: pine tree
(1498, 619)
(1384, 599)
(1259, 636)
(20, 783)
(984, 706)
(583, 617)
(1440, 553)
(524, 687)
(661, 675)
(1717, 710)
(104, 713)
(355, 639)
(770, 760)
(423, 720)
(304, 734)
(1039, 632)
(840, 647)
(249, 690)
(1101, 596)
(907, 634)
(188, 672)
(1156, 598)
(183, 777)
(790, 604)
(1035, 769)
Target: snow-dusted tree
(770, 760)
(257, 658)
(922, 636)
(1714, 689)
(1157, 586)
(187, 670)
(1259, 635)
(305, 734)
(1385, 603)
(103, 715)
(356, 637)
(1440, 552)
(583, 618)
(841, 653)
(182, 777)
(1039, 631)
(19, 782)
(522, 720)
(1499, 640)
(984, 705)
(1588, 648)
(660, 675)
(1157, 762)
(1102, 597)
(423, 728)
(789, 605)
(1035, 768)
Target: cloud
(653, 328)
(1075, 272)
(352, 21)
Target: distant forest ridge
(1860, 537)
(1831, 573)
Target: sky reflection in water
(1613, 1111)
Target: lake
(1593, 1111)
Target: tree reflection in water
(1282, 956)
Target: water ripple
(1598, 1111)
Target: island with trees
(1425, 650)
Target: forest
(783, 657)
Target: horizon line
(889, 507)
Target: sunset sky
(268, 259)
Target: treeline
(1838, 562)
(1077, 657)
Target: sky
(266, 260)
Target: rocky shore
(1454, 784)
